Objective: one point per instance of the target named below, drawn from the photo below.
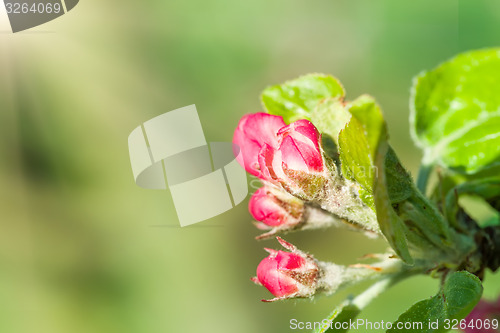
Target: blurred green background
(83, 249)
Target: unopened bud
(275, 208)
(288, 274)
(297, 162)
(296, 274)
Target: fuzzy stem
(315, 217)
(365, 298)
(340, 197)
(335, 277)
(318, 218)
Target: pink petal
(252, 132)
(266, 208)
(299, 145)
(270, 164)
(276, 281)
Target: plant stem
(363, 299)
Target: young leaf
(390, 223)
(330, 116)
(363, 150)
(399, 182)
(455, 112)
(457, 297)
(358, 142)
(296, 99)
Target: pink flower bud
(253, 132)
(288, 274)
(297, 163)
(297, 151)
(299, 146)
(267, 208)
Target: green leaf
(330, 116)
(457, 297)
(341, 315)
(363, 151)
(399, 182)
(296, 99)
(455, 112)
(428, 227)
(390, 223)
(358, 142)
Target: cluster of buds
(347, 175)
(302, 190)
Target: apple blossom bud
(299, 146)
(253, 132)
(288, 274)
(296, 274)
(279, 212)
(297, 151)
(290, 157)
(297, 163)
(274, 209)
